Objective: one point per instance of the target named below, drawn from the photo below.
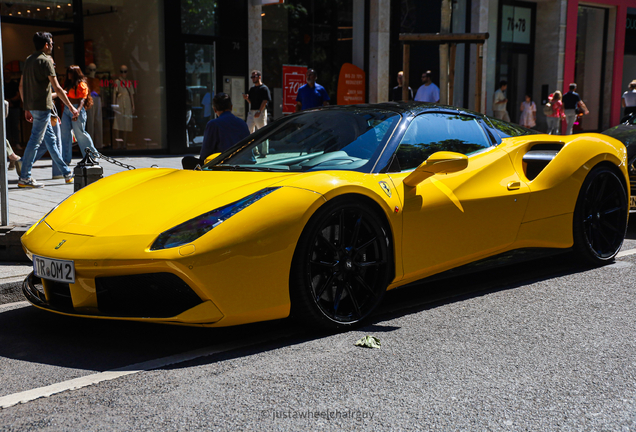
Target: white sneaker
(69, 178)
(29, 183)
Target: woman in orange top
(77, 91)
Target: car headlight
(194, 228)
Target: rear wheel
(600, 217)
(341, 266)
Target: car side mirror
(438, 163)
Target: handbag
(55, 117)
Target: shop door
(200, 89)
(515, 57)
(591, 44)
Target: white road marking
(16, 305)
(77, 383)
(626, 253)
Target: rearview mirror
(438, 163)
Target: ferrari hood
(149, 201)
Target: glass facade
(123, 59)
(313, 33)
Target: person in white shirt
(629, 99)
(499, 102)
(428, 92)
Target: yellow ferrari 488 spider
(318, 214)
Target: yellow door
(454, 219)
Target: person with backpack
(554, 112)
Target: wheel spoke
(324, 287)
(364, 285)
(356, 306)
(356, 232)
(336, 298)
(324, 263)
(367, 244)
(341, 228)
(612, 210)
(370, 263)
(599, 194)
(327, 242)
(611, 227)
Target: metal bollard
(87, 171)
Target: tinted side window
(507, 130)
(433, 132)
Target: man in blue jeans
(36, 85)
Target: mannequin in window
(123, 105)
(94, 120)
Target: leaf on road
(368, 342)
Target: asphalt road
(542, 346)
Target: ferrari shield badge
(385, 187)
(60, 244)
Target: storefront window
(200, 79)
(199, 17)
(313, 33)
(125, 46)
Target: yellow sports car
(319, 213)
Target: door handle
(514, 185)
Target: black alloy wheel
(600, 217)
(341, 267)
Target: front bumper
(172, 306)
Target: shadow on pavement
(31, 335)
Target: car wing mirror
(438, 163)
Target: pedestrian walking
(572, 106)
(428, 91)
(258, 97)
(36, 90)
(556, 113)
(78, 93)
(528, 113)
(396, 93)
(312, 94)
(500, 101)
(628, 100)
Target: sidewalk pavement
(27, 206)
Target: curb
(10, 245)
(11, 289)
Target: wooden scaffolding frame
(452, 39)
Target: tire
(341, 266)
(600, 216)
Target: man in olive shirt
(36, 84)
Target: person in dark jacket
(224, 131)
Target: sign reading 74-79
(516, 24)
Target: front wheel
(600, 216)
(341, 267)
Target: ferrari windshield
(331, 139)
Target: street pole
(4, 196)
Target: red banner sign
(293, 78)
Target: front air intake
(149, 295)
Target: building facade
(180, 53)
